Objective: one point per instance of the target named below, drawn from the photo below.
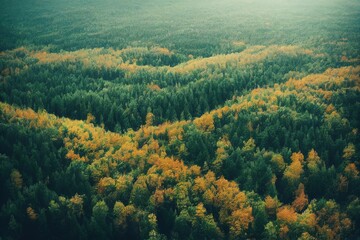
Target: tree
(301, 200)
(313, 161)
(31, 214)
(76, 205)
(286, 214)
(205, 122)
(294, 170)
(239, 222)
(271, 205)
(16, 178)
(349, 151)
(149, 119)
(119, 212)
(249, 145)
(271, 231)
(183, 224)
(278, 164)
(90, 118)
(223, 146)
(99, 225)
(140, 194)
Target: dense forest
(179, 119)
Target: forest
(205, 119)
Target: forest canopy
(179, 119)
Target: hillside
(267, 164)
(119, 87)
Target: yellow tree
(294, 170)
(31, 213)
(249, 145)
(120, 215)
(76, 204)
(239, 222)
(286, 214)
(313, 161)
(200, 210)
(297, 157)
(277, 161)
(351, 171)
(205, 122)
(271, 205)
(16, 178)
(301, 199)
(105, 183)
(90, 118)
(149, 119)
(349, 151)
(223, 146)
